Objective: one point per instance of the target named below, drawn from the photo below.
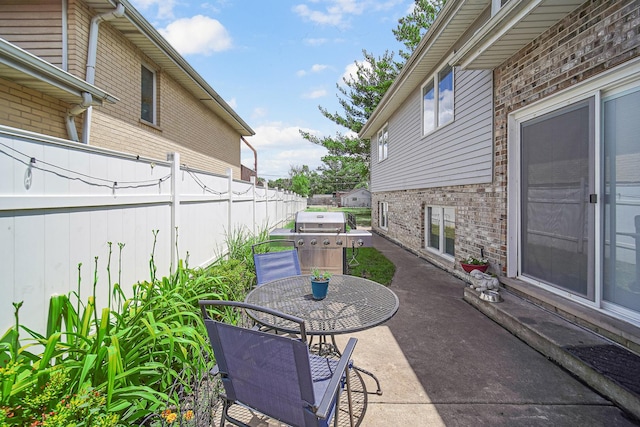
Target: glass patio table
(352, 304)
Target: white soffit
(515, 25)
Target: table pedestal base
(326, 348)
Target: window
(148, 95)
(441, 230)
(438, 100)
(383, 211)
(383, 142)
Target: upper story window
(148, 95)
(383, 142)
(437, 100)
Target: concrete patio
(443, 362)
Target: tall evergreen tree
(347, 161)
(413, 27)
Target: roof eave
(424, 57)
(42, 76)
(515, 25)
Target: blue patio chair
(277, 264)
(276, 375)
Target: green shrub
(123, 362)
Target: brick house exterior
(587, 53)
(190, 117)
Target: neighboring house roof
(28, 70)
(354, 191)
(143, 35)
(517, 23)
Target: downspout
(92, 53)
(255, 156)
(75, 111)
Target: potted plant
(319, 283)
(471, 263)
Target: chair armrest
(332, 389)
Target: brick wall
(479, 221)
(184, 124)
(31, 110)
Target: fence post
(253, 206)
(174, 158)
(277, 206)
(266, 204)
(230, 208)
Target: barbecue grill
(322, 240)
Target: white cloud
(259, 112)
(279, 147)
(338, 12)
(315, 94)
(165, 7)
(323, 18)
(315, 68)
(233, 103)
(351, 70)
(197, 35)
(315, 42)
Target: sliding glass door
(621, 219)
(557, 205)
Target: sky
(275, 61)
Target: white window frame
(383, 142)
(383, 215)
(442, 235)
(155, 95)
(434, 80)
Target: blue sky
(275, 61)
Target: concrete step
(608, 368)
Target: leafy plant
(318, 275)
(130, 354)
(475, 261)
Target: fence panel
(61, 203)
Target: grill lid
(320, 222)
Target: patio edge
(551, 335)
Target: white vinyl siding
(460, 153)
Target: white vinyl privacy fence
(64, 207)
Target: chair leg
(336, 410)
(227, 417)
(349, 398)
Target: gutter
(92, 53)
(255, 155)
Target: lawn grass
(372, 265)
